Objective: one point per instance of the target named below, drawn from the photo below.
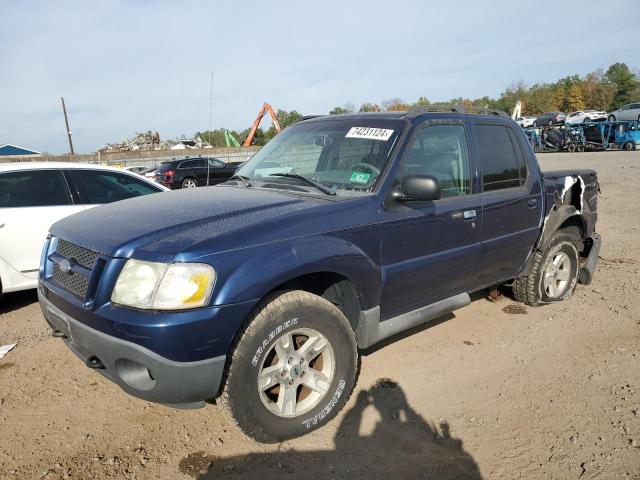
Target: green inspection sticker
(360, 177)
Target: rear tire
(628, 146)
(554, 273)
(612, 118)
(189, 183)
(580, 148)
(272, 368)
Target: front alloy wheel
(296, 372)
(293, 367)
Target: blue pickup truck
(341, 232)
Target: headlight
(161, 286)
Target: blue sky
(127, 66)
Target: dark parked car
(194, 172)
(550, 118)
(339, 233)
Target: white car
(582, 116)
(525, 122)
(33, 196)
(628, 112)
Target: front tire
(292, 369)
(554, 273)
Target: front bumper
(137, 370)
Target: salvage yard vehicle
(549, 118)
(628, 112)
(582, 116)
(262, 291)
(194, 172)
(35, 195)
(525, 122)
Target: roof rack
(419, 110)
(308, 117)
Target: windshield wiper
(246, 181)
(313, 183)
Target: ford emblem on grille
(65, 266)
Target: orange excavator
(265, 108)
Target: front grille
(74, 282)
(83, 256)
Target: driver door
(431, 249)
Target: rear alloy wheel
(556, 277)
(554, 273)
(586, 120)
(628, 146)
(612, 118)
(292, 369)
(189, 183)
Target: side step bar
(371, 330)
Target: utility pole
(210, 108)
(66, 122)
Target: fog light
(135, 374)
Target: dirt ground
(549, 393)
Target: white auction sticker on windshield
(370, 133)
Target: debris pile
(151, 141)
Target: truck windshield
(346, 156)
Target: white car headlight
(161, 286)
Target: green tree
(369, 107)
(346, 108)
(625, 83)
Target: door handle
(469, 214)
(532, 203)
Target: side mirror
(420, 188)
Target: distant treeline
(599, 90)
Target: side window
(501, 166)
(97, 187)
(215, 163)
(188, 164)
(37, 188)
(441, 152)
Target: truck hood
(164, 225)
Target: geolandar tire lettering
(292, 367)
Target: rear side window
(37, 188)
(97, 187)
(502, 163)
(199, 163)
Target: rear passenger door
(431, 249)
(511, 199)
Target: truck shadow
(401, 445)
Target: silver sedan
(628, 112)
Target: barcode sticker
(382, 134)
